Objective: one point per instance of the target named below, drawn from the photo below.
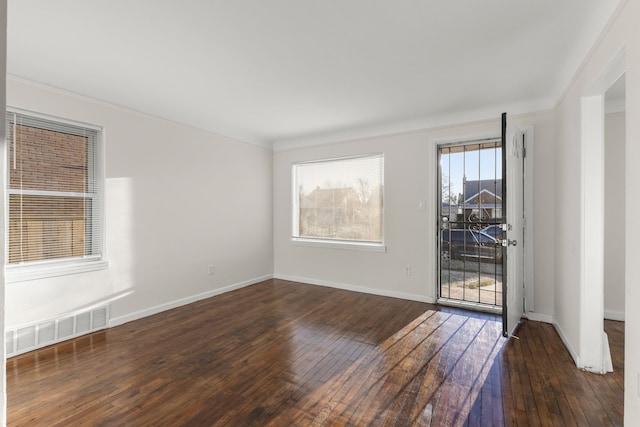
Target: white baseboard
(184, 301)
(539, 317)
(563, 337)
(606, 355)
(356, 288)
(614, 315)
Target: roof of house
(322, 197)
(492, 186)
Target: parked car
(494, 231)
(470, 245)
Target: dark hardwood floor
(282, 353)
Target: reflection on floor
(284, 353)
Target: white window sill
(23, 273)
(340, 244)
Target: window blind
(340, 199)
(54, 191)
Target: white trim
(250, 140)
(100, 168)
(471, 138)
(607, 364)
(184, 301)
(540, 317)
(51, 193)
(614, 315)
(356, 288)
(591, 301)
(567, 344)
(430, 122)
(529, 203)
(41, 270)
(592, 345)
(339, 244)
(53, 118)
(376, 155)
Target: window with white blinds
(340, 202)
(55, 196)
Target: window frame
(41, 269)
(371, 246)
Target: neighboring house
(341, 213)
(483, 199)
(450, 211)
(324, 211)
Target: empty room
(320, 213)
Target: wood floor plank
(364, 377)
(285, 353)
(409, 366)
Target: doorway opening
(470, 224)
(593, 353)
(614, 200)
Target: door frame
(462, 138)
(528, 171)
(593, 349)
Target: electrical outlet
(407, 270)
(211, 270)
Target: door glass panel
(470, 223)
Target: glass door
(470, 224)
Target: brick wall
(46, 227)
(48, 160)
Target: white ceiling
(289, 72)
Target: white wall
(410, 178)
(177, 200)
(3, 168)
(614, 227)
(623, 33)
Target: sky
(475, 165)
